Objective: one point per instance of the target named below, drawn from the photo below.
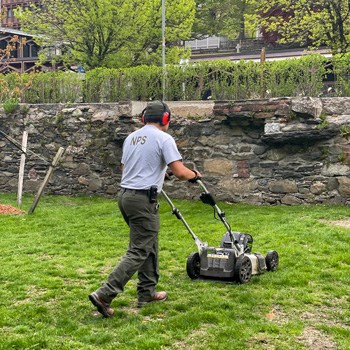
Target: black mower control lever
(176, 212)
(207, 198)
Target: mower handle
(179, 216)
(207, 198)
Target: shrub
(10, 105)
(221, 80)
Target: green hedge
(55, 87)
(219, 80)
(222, 80)
(341, 70)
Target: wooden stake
(262, 77)
(46, 179)
(21, 168)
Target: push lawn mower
(233, 261)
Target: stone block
(335, 170)
(83, 181)
(83, 169)
(259, 149)
(243, 169)
(238, 186)
(276, 154)
(218, 166)
(283, 186)
(272, 128)
(95, 183)
(100, 116)
(318, 187)
(344, 186)
(31, 186)
(290, 200)
(112, 190)
(191, 109)
(308, 107)
(336, 105)
(77, 113)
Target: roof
(13, 31)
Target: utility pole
(163, 48)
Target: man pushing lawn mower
(147, 153)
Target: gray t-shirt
(146, 154)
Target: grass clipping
(9, 210)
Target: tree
(310, 22)
(222, 18)
(99, 33)
(12, 88)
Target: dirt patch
(342, 223)
(277, 315)
(311, 338)
(316, 340)
(331, 315)
(9, 210)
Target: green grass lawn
(52, 260)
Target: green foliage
(324, 122)
(313, 23)
(216, 18)
(345, 131)
(221, 80)
(50, 266)
(341, 68)
(10, 105)
(296, 77)
(15, 86)
(223, 18)
(56, 87)
(96, 33)
(110, 85)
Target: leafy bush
(56, 87)
(219, 80)
(341, 70)
(296, 77)
(10, 105)
(15, 85)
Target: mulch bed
(9, 210)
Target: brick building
(25, 57)
(7, 7)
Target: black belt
(135, 191)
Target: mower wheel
(193, 265)
(272, 260)
(243, 269)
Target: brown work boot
(158, 296)
(102, 307)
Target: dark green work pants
(142, 254)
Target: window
(9, 13)
(34, 50)
(26, 50)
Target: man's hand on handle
(197, 176)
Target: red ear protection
(163, 119)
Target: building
(7, 7)
(25, 57)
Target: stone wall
(273, 151)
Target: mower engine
(225, 263)
(233, 260)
